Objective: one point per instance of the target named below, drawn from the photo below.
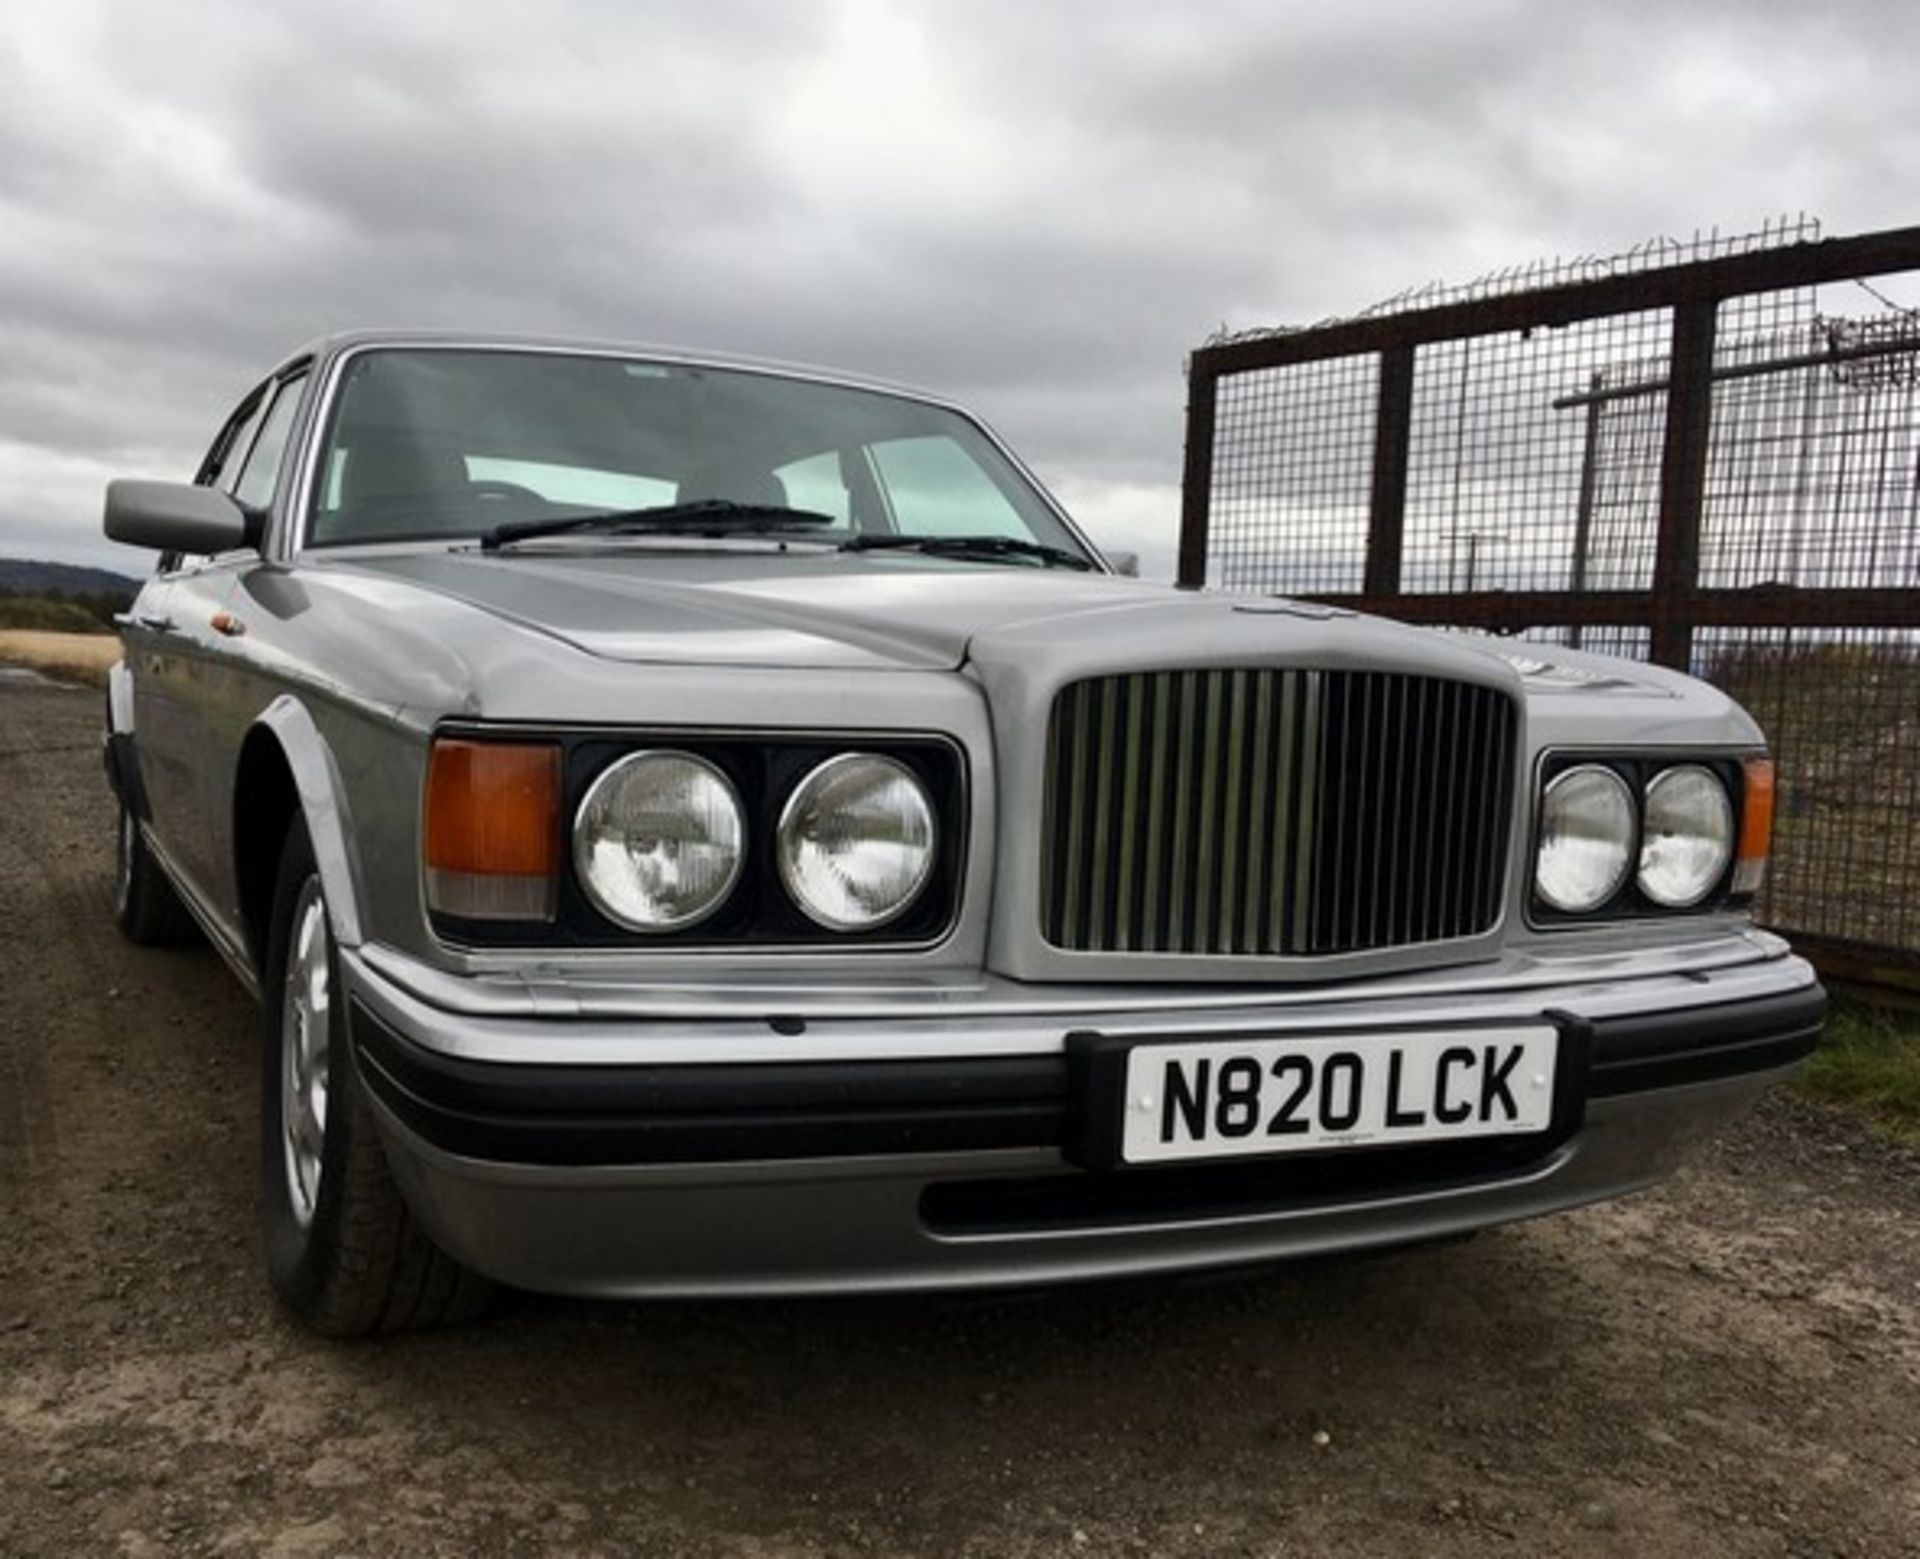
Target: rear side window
(935, 488)
(222, 465)
(815, 484)
(261, 472)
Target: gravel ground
(1729, 1366)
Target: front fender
(323, 804)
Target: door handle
(158, 622)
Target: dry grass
(1869, 1058)
(78, 657)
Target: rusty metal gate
(1704, 454)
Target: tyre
(145, 906)
(343, 1251)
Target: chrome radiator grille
(1274, 812)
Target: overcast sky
(1037, 208)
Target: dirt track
(1730, 1366)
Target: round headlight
(658, 840)
(1586, 838)
(1688, 838)
(856, 842)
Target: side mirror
(176, 517)
(1126, 563)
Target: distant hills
(32, 576)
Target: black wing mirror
(177, 517)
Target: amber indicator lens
(1756, 826)
(492, 829)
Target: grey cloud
(1068, 199)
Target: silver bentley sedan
(698, 827)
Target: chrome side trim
(507, 1020)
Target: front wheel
(343, 1251)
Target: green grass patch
(1869, 1060)
(50, 614)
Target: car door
(210, 683)
(159, 649)
(221, 682)
(180, 632)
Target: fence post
(1387, 506)
(1583, 513)
(1196, 482)
(1683, 481)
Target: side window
(586, 486)
(815, 483)
(222, 465)
(261, 468)
(180, 563)
(937, 489)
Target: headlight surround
(659, 840)
(1687, 836)
(1586, 842)
(857, 842)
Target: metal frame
(1675, 605)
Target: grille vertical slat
(1307, 808)
(1127, 860)
(1277, 812)
(1450, 779)
(1494, 864)
(1233, 782)
(1434, 760)
(1259, 816)
(1286, 792)
(1394, 740)
(1101, 843)
(1207, 841)
(1180, 868)
(1076, 819)
(1365, 803)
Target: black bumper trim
(546, 1114)
(731, 1112)
(1699, 1044)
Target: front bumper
(918, 1151)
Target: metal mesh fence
(1499, 468)
(1709, 454)
(1299, 466)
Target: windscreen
(436, 442)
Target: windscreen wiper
(972, 547)
(701, 517)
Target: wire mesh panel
(1503, 483)
(1814, 463)
(1708, 455)
(1292, 465)
(1841, 709)
(1814, 483)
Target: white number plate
(1221, 1098)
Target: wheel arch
(286, 769)
(121, 756)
